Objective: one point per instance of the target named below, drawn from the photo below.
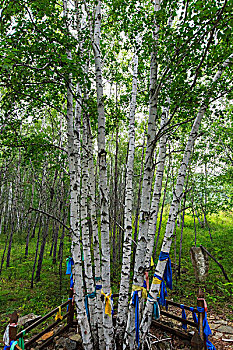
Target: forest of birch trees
(114, 116)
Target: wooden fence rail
(182, 334)
(69, 315)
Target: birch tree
(177, 196)
(125, 273)
(54, 67)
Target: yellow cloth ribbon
(156, 281)
(138, 288)
(152, 262)
(107, 298)
(58, 315)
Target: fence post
(12, 331)
(70, 317)
(201, 316)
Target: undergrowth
(15, 282)
(217, 291)
(16, 294)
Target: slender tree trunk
(139, 266)
(175, 263)
(182, 228)
(88, 273)
(10, 240)
(42, 250)
(105, 244)
(198, 218)
(60, 257)
(157, 189)
(194, 223)
(206, 222)
(162, 208)
(4, 251)
(95, 236)
(34, 226)
(53, 236)
(115, 208)
(125, 272)
(55, 243)
(74, 156)
(138, 200)
(36, 253)
(30, 220)
(60, 250)
(178, 193)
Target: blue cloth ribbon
(112, 305)
(156, 312)
(163, 294)
(86, 307)
(184, 325)
(195, 319)
(207, 332)
(168, 270)
(71, 281)
(13, 344)
(91, 296)
(135, 303)
(163, 291)
(144, 284)
(200, 309)
(69, 262)
(206, 329)
(7, 347)
(209, 345)
(98, 287)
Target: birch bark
(74, 170)
(177, 196)
(105, 244)
(157, 189)
(125, 272)
(139, 265)
(75, 174)
(95, 236)
(162, 208)
(89, 281)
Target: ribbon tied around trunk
(168, 269)
(69, 263)
(108, 302)
(135, 303)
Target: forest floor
(16, 293)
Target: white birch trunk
(157, 189)
(74, 222)
(139, 266)
(3, 209)
(177, 196)
(125, 272)
(95, 236)
(105, 244)
(90, 287)
(75, 172)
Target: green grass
(218, 292)
(16, 294)
(15, 291)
